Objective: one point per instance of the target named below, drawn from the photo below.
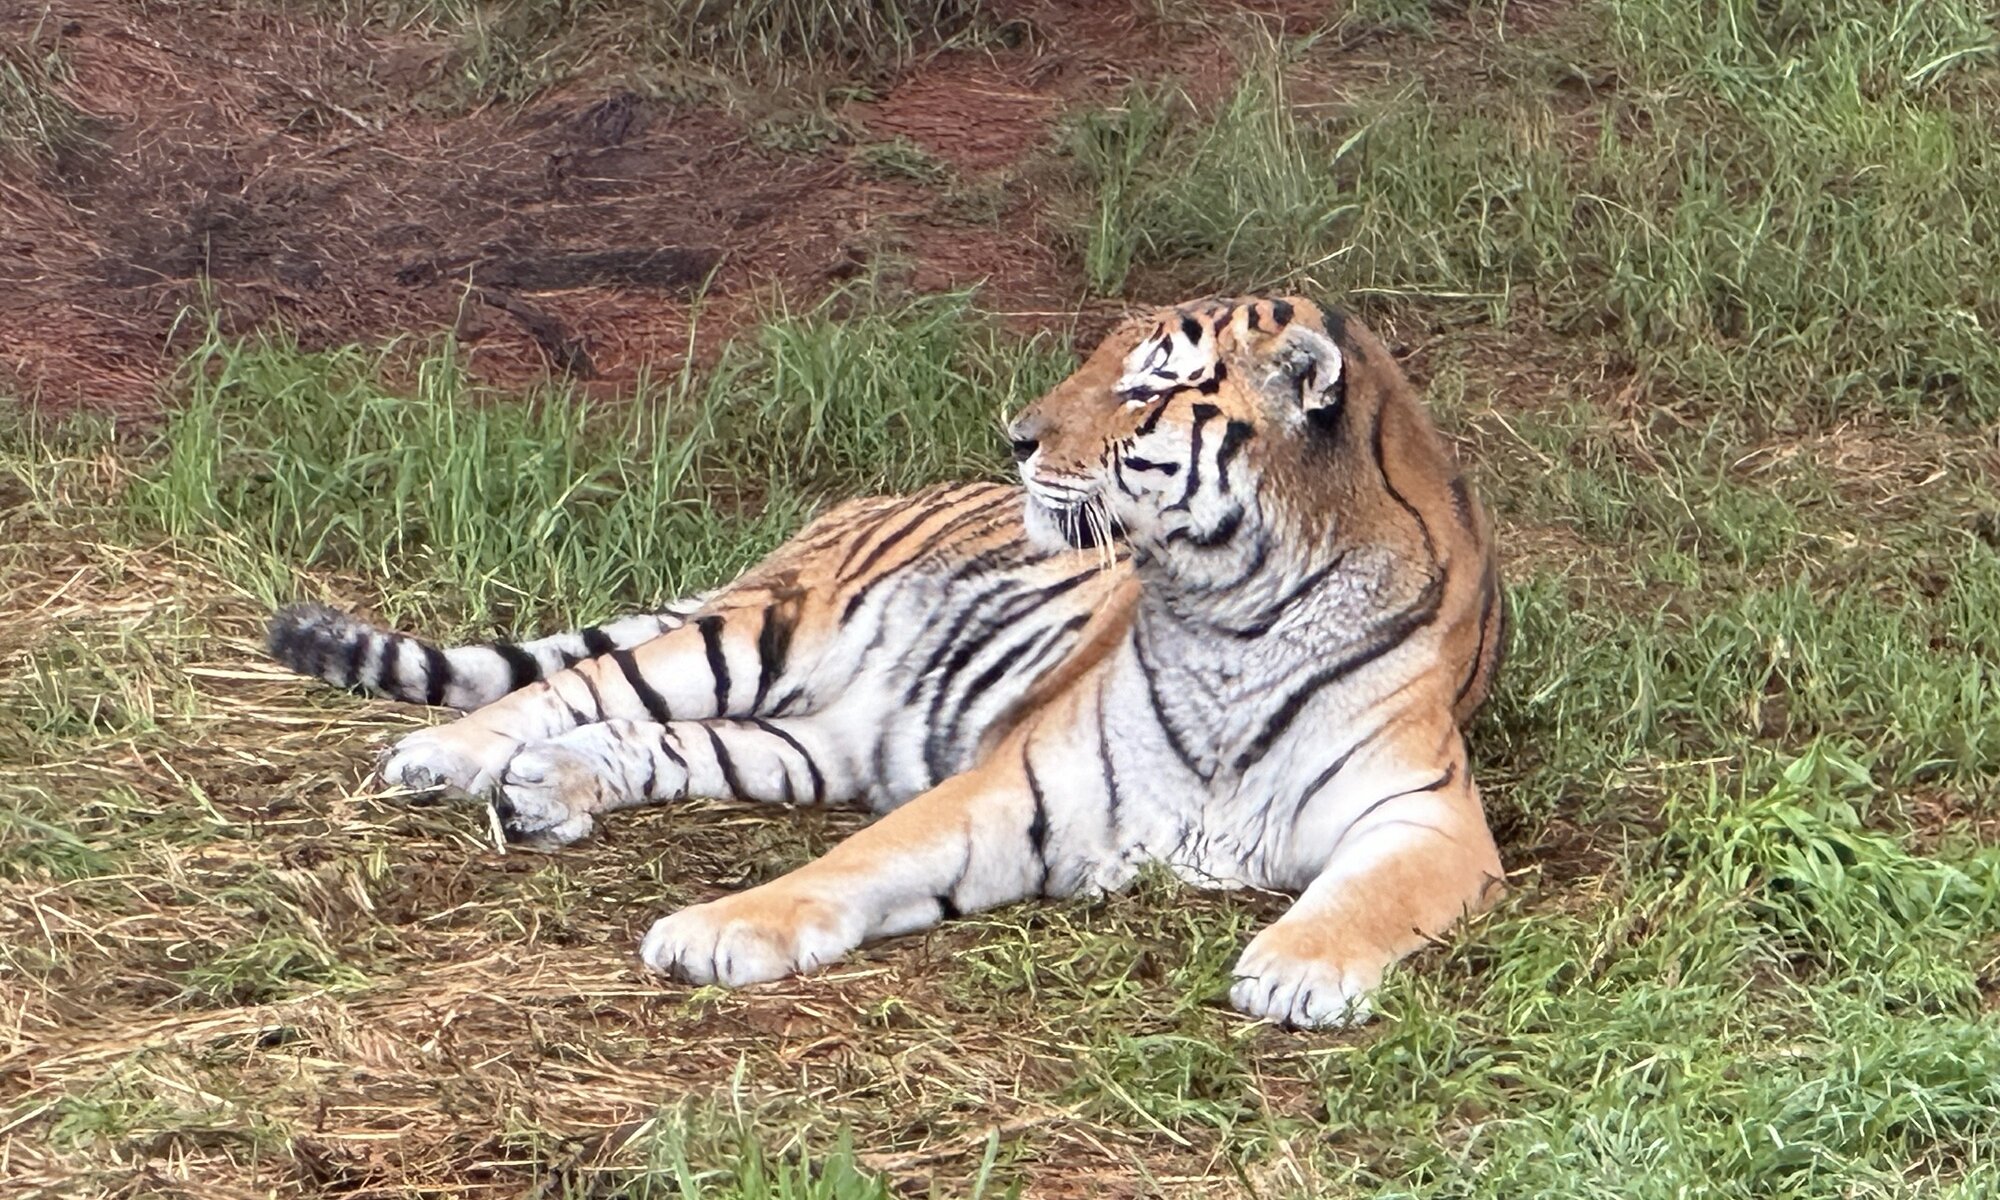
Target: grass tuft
(38, 123)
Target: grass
(1740, 758)
(1822, 254)
(37, 122)
(553, 509)
(515, 50)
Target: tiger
(1231, 621)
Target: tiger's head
(1207, 432)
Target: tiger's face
(1165, 434)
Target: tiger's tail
(347, 652)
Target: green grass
(1823, 253)
(549, 508)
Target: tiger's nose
(1025, 432)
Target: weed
(900, 159)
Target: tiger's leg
(988, 837)
(551, 791)
(1415, 861)
(726, 663)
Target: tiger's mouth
(1084, 527)
(1076, 520)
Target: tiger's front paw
(749, 937)
(1299, 977)
(444, 758)
(548, 793)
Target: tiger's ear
(1304, 376)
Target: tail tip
(298, 633)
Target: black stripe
(357, 657)
(1234, 435)
(1202, 414)
(1118, 473)
(656, 704)
(666, 748)
(885, 545)
(1381, 465)
(1191, 330)
(711, 640)
(967, 523)
(965, 643)
(1391, 634)
(1489, 601)
(1269, 617)
(1038, 826)
(1152, 418)
(1325, 777)
(947, 907)
(1053, 640)
(1112, 800)
(1008, 555)
(874, 527)
(389, 678)
(1461, 502)
(1147, 464)
(1208, 539)
(1335, 322)
(944, 504)
(436, 671)
(812, 768)
(596, 698)
(597, 643)
(943, 734)
(575, 717)
(1260, 553)
(522, 669)
(1438, 784)
(774, 643)
(972, 638)
(966, 646)
(1281, 312)
(726, 764)
(1160, 713)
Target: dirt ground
(288, 171)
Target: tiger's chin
(1070, 527)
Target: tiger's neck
(1218, 661)
(1256, 583)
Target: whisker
(1100, 526)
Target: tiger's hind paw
(435, 760)
(547, 796)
